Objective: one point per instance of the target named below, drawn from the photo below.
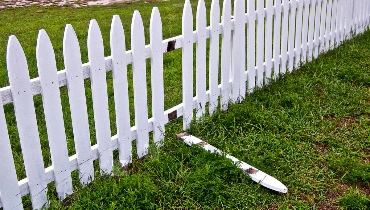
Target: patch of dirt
(347, 122)
(321, 148)
(332, 195)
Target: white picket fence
(289, 33)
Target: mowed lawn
(310, 129)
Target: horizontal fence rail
(249, 46)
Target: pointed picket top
(225, 54)
(215, 9)
(100, 97)
(71, 47)
(53, 114)
(140, 90)
(120, 84)
(95, 39)
(77, 102)
(28, 131)
(157, 76)
(187, 64)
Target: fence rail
(281, 35)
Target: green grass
(310, 129)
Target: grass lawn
(310, 129)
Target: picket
(304, 37)
(322, 27)
(120, 85)
(311, 29)
(238, 53)
(19, 81)
(214, 56)
(52, 105)
(291, 39)
(225, 54)
(201, 23)
(338, 20)
(298, 34)
(268, 40)
(328, 25)
(277, 36)
(260, 42)
(251, 46)
(157, 76)
(317, 29)
(288, 33)
(139, 81)
(333, 28)
(77, 103)
(99, 96)
(187, 64)
(284, 36)
(10, 194)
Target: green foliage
(354, 200)
(351, 170)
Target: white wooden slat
(11, 197)
(260, 41)
(367, 14)
(317, 29)
(367, 11)
(77, 103)
(214, 55)
(284, 36)
(356, 17)
(100, 97)
(268, 45)
(328, 25)
(322, 27)
(187, 64)
(341, 17)
(338, 23)
(347, 26)
(251, 46)
(225, 54)
(333, 27)
(349, 9)
(292, 22)
(201, 24)
(140, 92)
(277, 36)
(26, 122)
(157, 76)
(362, 6)
(52, 105)
(238, 52)
(306, 16)
(311, 29)
(345, 9)
(120, 85)
(298, 34)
